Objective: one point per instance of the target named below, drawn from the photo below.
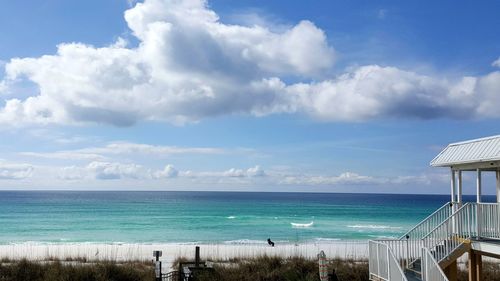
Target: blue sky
(330, 96)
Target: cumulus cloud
(344, 178)
(11, 171)
(351, 178)
(168, 172)
(190, 65)
(373, 92)
(256, 171)
(113, 170)
(103, 171)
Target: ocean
(208, 217)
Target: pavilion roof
(470, 153)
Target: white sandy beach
(124, 252)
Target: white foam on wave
(252, 242)
(301, 225)
(383, 236)
(231, 217)
(320, 239)
(244, 242)
(374, 226)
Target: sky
(251, 95)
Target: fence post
(388, 264)
(157, 255)
(378, 260)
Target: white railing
(439, 235)
(430, 222)
(488, 220)
(451, 233)
(431, 271)
(414, 236)
(383, 264)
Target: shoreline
(354, 249)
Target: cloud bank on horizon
(189, 65)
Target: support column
(453, 186)
(478, 212)
(451, 271)
(459, 181)
(472, 265)
(479, 267)
(498, 186)
(478, 191)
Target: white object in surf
(302, 224)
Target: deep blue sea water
(222, 217)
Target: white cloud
(129, 148)
(234, 173)
(387, 92)
(256, 171)
(113, 170)
(72, 173)
(168, 172)
(344, 178)
(190, 65)
(12, 171)
(65, 155)
(121, 148)
(252, 172)
(496, 63)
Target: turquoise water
(223, 217)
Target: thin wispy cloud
(122, 148)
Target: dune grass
(263, 268)
(267, 268)
(24, 270)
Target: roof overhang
(474, 154)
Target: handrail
(466, 205)
(383, 264)
(451, 233)
(427, 219)
(431, 271)
(439, 235)
(413, 237)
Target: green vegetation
(75, 271)
(257, 269)
(279, 269)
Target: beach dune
(216, 252)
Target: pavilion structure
(430, 250)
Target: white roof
(469, 152)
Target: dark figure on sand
(271, 243)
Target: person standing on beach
(271, 243)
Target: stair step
(412, 275)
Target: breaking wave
(374, 226)
(300, 225)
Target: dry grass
(491, 272)
(61, 271)
(279, 269)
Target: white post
(478, 213)
(459, 199)
(453, 186)
(478, 186)
(498, 186)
